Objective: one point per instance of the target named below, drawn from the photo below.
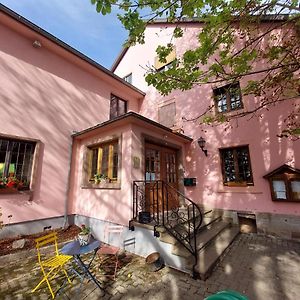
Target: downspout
(66, 223)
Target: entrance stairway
(195, 236)
(213, 237)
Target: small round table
(74, 248)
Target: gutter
(66, 206)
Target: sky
(77, 23)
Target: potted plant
(9, 184)
(84, 235)
(101, 178)
(12, 184)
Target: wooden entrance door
(161, 164)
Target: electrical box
(191, 181)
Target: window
(104, 161)
(284, 184)
(167, 64)
(166, 115)
(118, 107)
(165, 67)
(16, 159)
(228, 98)
(128, 78)
(236, 166)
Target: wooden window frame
(118, 100)
(226, 89)
(241, 183)
(110, 165)
(287, 178)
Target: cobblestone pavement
(257, 266)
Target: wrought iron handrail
(159, 202)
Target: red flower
(10, 184)
(21, 184)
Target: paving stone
(257, 266)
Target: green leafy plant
(84, 229)
(254, 41)
(13, 182)
(100, 177)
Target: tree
(216, 59)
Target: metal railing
(160, 204)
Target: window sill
(238, 188)
(239, 191)
(103, 185)
(14, 191)
(238, 184)
(286, 200)
(230, 113)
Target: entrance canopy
(132, 117)
(108, 157)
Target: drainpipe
(66, 223)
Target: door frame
(162, 160)
(148, 139)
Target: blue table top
(74, 248)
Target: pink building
(78, 144)
(49, 91)
(233, 176)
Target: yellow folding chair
(50, 265)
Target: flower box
(8, 190)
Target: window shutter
(166, 115)
(169, 58)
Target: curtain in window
(279, 189)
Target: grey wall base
(279, 225)
(32, 227)
(141, 241)
(283, 226)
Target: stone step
(203, 238)
(209, 256)
(166, 237)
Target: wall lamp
(201, 142)
(37, 44)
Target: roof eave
(132, 114)
(67, 47)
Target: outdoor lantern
(37, 44)
(201, 142)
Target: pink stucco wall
(267, 151)
(112, 204)
(46, 94)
